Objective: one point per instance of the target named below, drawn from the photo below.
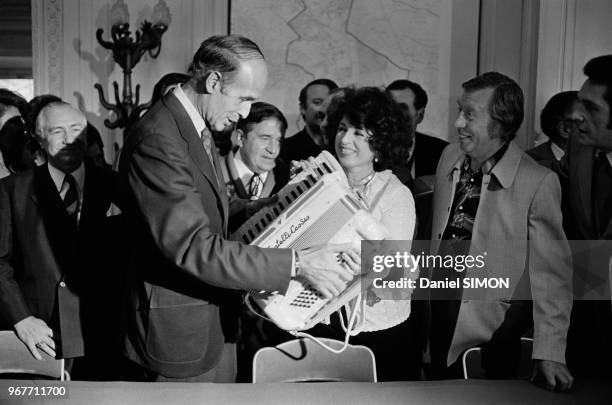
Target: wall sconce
(127, 53)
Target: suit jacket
(542, 153)
(299, 147)
(428, 150)
(48, 267)
(519, 207)
(177, 215)
(237, 191)
(578, 169)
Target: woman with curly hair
(372, 136)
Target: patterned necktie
(71, 198)
(207, 142)
(254, 186)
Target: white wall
(68, 60)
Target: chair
(472, 366)
(15, 358)
(303, 360)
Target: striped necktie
(71, 198)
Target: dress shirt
(58, 179)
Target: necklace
(362, 182)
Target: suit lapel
(235, 179)
(268, 185)
(195, 148)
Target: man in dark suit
(177, 213)
(310, 141)
(412, 100)
(558, 121)
(52, 234)
(587, 167)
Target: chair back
(303, 360)
(15, 358)
(472, 361)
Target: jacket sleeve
(13, 307)
(162, 183)
(550, 272)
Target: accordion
(315, 208)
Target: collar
(58, 177)
(556, 150)
(504, 168)
(243, 170)
(608, 155)
(4, 172)
(194, 115)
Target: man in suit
(177, 213)
(250, 172)
(426, 150)
(587, 169)
(52, 220)
(487, 191)
(558, 120)
(310, 141)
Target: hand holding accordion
(315, 208)
(330, 267)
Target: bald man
(52, 226)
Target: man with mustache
(52, 228)
(310, 141)
(492, 197)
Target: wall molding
(47, 44)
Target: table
(454, 392)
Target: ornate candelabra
(127, 52)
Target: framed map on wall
(353, 42)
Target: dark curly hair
(392, 135)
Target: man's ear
(239, 137)
(214, 81)
(420, 114)
(302, 110)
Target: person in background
(167, 83)
(559, 121)
(52, 238)
(587, 169)
(309, 142)
(249, 170)
(15, 155)
(426, 150)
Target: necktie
(207, 142)
(71, 198)
(254, 186)
(602, 192)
